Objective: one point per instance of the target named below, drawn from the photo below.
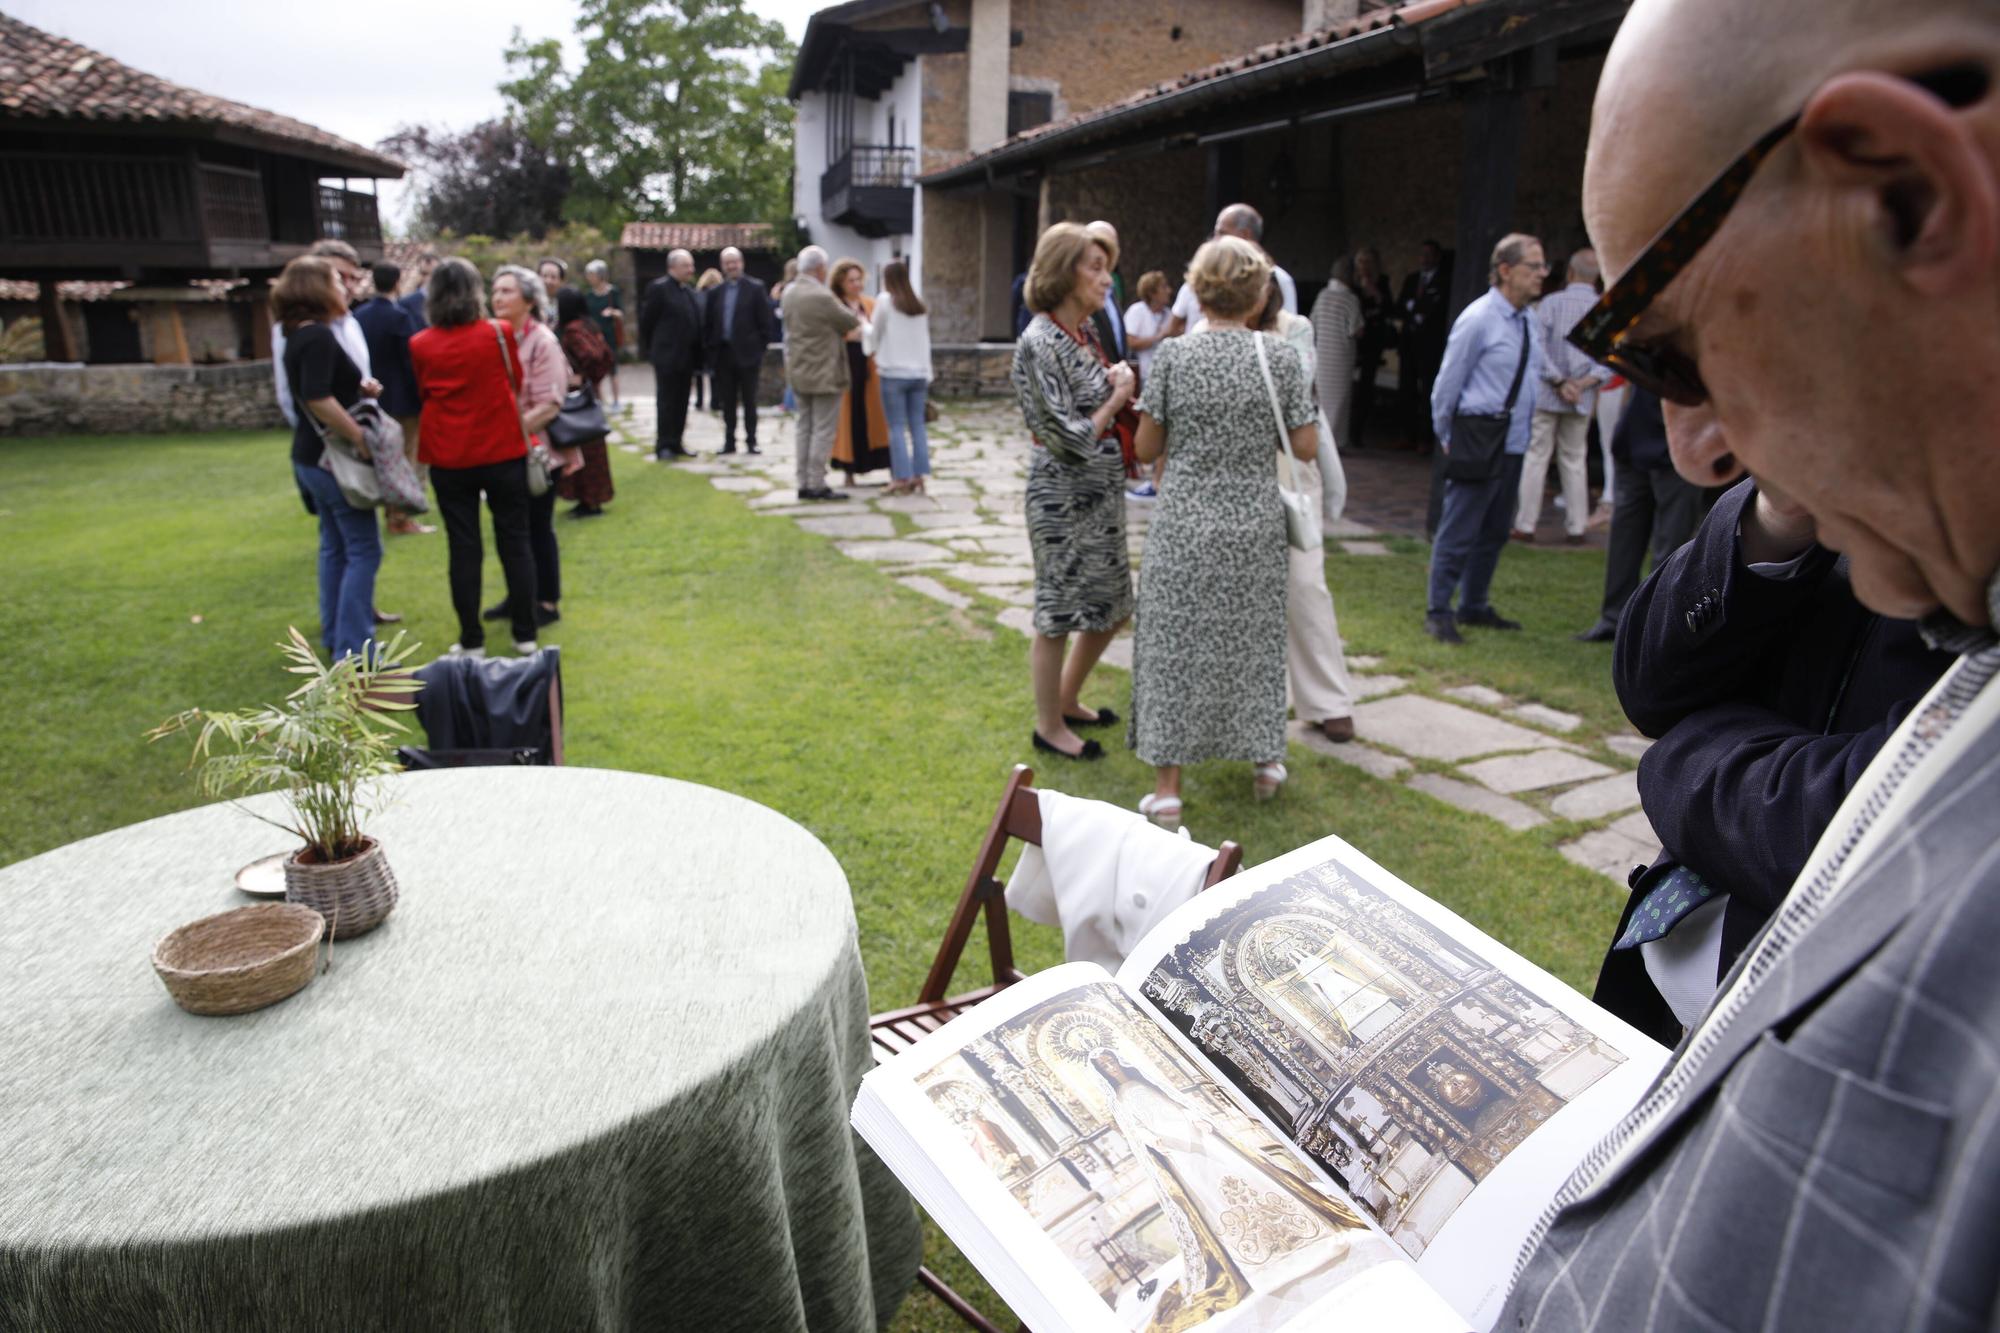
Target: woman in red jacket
(473, 439)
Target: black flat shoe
(497, 611)
(1487, 618)
(1602, 632)
(546, 615)
(1090, 750)
(1103, 717)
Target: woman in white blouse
(899, 338)
(1145, 329)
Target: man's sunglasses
(1659, 365)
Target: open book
(1311, 1098)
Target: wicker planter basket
(354, 895)
(240, 960)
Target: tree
(492, 180)
(678, 111)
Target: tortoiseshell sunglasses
(1603, 334)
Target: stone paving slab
(1541, 715)
(1021, 621)
(1532, 772)
(1371, 761)
(893, 552)
(1610, 854)
(1596, 800)
(794, 510)
(1345, 527)
(936, 591)
(1363, 548)
(1019, 595)
(1370, 687)
(1364, 661)
(994, 573)
(1433, 729)
(954, 522)
(1481, 695)
(1117, 653)
(1632, 747)
(1638, 828)
(939, 532)
(946, 486)
(775, 499)
(849, 525)
(1479, 801)
(925, 504)
(1011, 546)
(741, 485)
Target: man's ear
(1933, 190)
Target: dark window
(1027, 110)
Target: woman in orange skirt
(861, 443)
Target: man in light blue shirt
(1486, 372)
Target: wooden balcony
(136, 215)
(871, 189)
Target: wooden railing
(349, 215)
(232, 204)
(54, 197)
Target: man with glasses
(1824, 1149)
(1478, 407)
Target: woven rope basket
(240, 960)
(355, 895)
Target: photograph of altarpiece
(1405, 1064)
(1174, 1205)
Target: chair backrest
(490, 712)
(1019, 816)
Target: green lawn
(706, 643)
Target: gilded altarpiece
(1406, 1065)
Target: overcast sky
(359, 70)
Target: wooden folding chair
(1019, 816)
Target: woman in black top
(325, 382)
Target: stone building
(890, 90)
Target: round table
(594, 1072)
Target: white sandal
(1162, 810)
(1269, 777)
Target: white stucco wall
(871, 126)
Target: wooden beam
(915, 41)
(57, 342)
(1472, 36)
(170, 346)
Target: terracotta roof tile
(46, 77)
(201, 289)
(698, 235)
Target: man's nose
(1700, 446)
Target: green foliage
(320, 747)
(21, 340)
(575, 243)
(491, 178)
(678, 111)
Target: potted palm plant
(322, 747)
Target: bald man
(737, 326)
(1824, 1150)
(1245, 224)
(670, 331)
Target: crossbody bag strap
(500, 336)
(1277, 411)
(1520, 369)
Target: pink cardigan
(544, 369)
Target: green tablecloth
(594, 1072)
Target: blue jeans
(1470, 537)
(903, 401)
(350, 551)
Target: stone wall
(116, 400)
(1157, 203)
(971, 370)
(1090, 54)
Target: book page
(1126, 1186)
(1446, 1083)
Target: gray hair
(454, 294)
(1343, 271)
(729, 250)
(1243, 218)
(531, 287)
(812, 259)
(1583, 266)
(1511, 249)
(596, 266)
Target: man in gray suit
(1824, 1150)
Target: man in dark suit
(1765, 717)
(737, 325)
(1823, 1150)
(1421, 309)
(670, 331)
(1658, 508)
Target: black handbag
(580, 421)
(1479, 440)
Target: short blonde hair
(1229, 275)
(1150, 282)
(1058, 254)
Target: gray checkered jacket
(1827, 1158)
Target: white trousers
(1316, 667)
(1610, 407)
(1567, 436)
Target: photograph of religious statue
(1174, 1205)
(1406, 1065)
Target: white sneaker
(460, 650)
(527, 647)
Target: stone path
(965, 546)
